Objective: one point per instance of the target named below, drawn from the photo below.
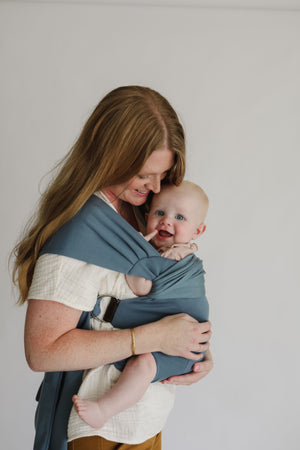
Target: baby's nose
(165, 220)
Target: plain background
(233, 77)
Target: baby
(176, 218)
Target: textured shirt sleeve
(66, 280)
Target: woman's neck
(114, 200)
(123, 208)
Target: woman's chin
(137, 199)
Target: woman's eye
(179, 217)
(159, 213)
(142, 177)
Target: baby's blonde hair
(201, 196)
(195, 190)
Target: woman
(131, 142)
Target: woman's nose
(154, 184)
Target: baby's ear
(146, 216)
(199, 230)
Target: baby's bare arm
(139, 286)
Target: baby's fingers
(151, 235)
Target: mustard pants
(99, 443)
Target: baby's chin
(158, 244)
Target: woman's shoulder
(66, 280)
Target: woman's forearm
(53, 343)
(80, 349)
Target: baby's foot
(90, 412)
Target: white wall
(233, 76)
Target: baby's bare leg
(130, 387)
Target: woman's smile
(136, 190)
(142, 193)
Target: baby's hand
(149, 236)
(180, 252)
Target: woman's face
(136, 190)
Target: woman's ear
(199, 230)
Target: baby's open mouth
(164, 233)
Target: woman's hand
(200, 370)
(182, 335)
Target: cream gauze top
(78, 284)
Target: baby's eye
(179, 217)
(160, 213)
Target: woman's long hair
(127, 125)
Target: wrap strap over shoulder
(98, 235)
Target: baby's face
(175, 215)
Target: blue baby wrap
(100, 236)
